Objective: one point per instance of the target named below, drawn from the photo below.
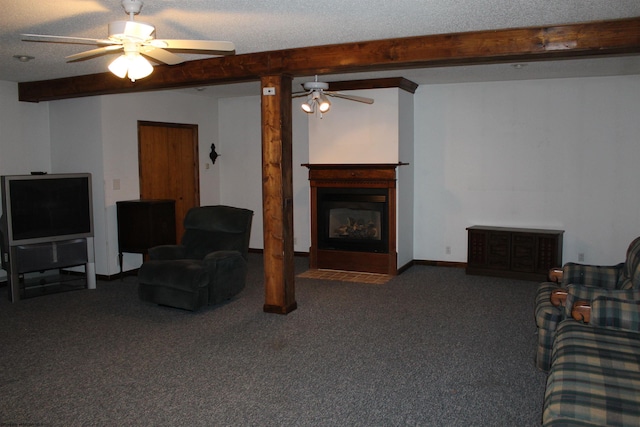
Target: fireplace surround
(353, 217)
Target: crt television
(46, 208)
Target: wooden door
(168, 159)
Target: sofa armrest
(558, 297)
(167, 252)
(581, 311)
(555, 275)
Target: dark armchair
(554, 301)
(207, 268)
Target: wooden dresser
(520, 253)
(143, 224)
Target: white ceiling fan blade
(206, 45)
(351, 97)
(63, 39)
(93, 52)
(161, 55)
(300, 94)
(139, 31)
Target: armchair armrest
(555, 275)
(227, 274)
(558, 297)
(219, 262)
(167, 252)
(216, 256)
(581, 311)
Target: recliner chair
(207, 268)
(582, 282)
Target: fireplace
(353, 219)
(353, 213)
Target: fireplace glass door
(353, 219)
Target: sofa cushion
(594, 377)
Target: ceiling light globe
(139, 68)
(323, 104)
(120, 66)
(324, 107)
(307, 107)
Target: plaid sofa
(594, 378)
(583, 282)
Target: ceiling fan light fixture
(120, 66)
(139, 68)
(135, 38)
(135, 66)
(308, 106)
(318, 94)
(323, 103)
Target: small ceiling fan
(316, 93)
(136, 40)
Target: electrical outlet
(295, 240)
(580, 257)
(447, 250)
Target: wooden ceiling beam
(614, 37)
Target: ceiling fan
(316, 93)
(136, 40)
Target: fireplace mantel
(352, 172)
(378, 178)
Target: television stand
(30, 259)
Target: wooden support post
(277, 194)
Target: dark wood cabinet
(521, 253)
(143, 224)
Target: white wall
(558, 153)
(241, 166)
(100, 135)
(24, 140)
(24, 126)
(354, 132)
(405, 182)
(76, 146)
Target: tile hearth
(346, 276)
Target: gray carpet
(432, 347)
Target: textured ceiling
(256, 26)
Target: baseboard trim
(431, 263)
(276, 309)
(134, 272)
(295, 253)
(441, 263)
